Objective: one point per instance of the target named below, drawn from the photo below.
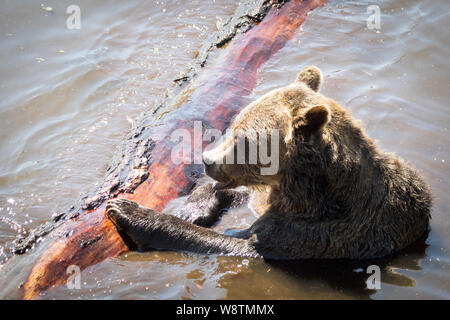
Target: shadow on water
(350, 276)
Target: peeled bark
(144, 172)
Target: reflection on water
(63, 117)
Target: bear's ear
(311, 76)
(314, 119)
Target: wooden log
(144, 172)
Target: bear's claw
(113, 213)
(126, 213)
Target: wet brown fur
(336, 195)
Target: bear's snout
(208, 167)
(212, 166)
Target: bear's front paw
(126, 214)
(137, 222)
(202, 192)
(118, 211)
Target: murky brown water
(63, 117)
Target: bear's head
(263, 134)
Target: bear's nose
(206, 158)
(209, 165)
(209, 168)
(205, 163)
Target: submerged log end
(91, 238)
(82, 245)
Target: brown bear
(334, 195)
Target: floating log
(144, 172)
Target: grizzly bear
(334, 195)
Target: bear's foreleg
(149, 229)
(205, 205)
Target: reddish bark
(91, 238)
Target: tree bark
(211, 92)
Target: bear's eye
(245, 150)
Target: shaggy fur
(335, 195)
